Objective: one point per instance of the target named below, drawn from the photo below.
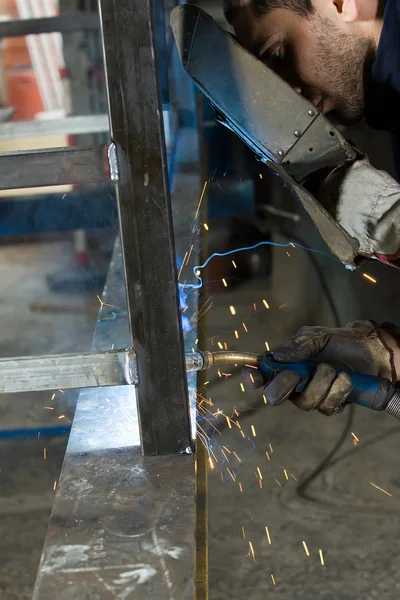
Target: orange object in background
(23, 93)
(22, 90)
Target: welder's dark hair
(303, 8)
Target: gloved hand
(361, 346)
(366, 203)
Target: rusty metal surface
(122, 524)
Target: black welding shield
(284, 130)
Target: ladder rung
(54, 166)
(66, 23)
(68, 371)
(66, 125)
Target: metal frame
(146, 223)
(136, 162)
(122, 524)
(67, 23)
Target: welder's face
(321, 59)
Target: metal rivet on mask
(311, 113)
(297, 133)
(280, 152)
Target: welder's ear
(348, 10)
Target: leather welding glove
(360, 346)
(366, 203)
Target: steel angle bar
(66, 23)
(58, 166)
(68, 371)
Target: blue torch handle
(368, 391)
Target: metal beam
(66, 125)
(66, 23)
(146, 223)
(68, 371)
(54, 166)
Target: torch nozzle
(200, 361)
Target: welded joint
(128, 362)
(113, 162)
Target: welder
(343, 56)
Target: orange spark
(201, 199)
(232, 309)
(268, 536)
(234, 264)
(224, 282)
(266, 304)
(381, 489)
(369, 278)
(306, 550)
(251, 551)
(253, 431)
(321, 556)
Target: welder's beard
(341, 61)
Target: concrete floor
(26, 479)
(355, 525)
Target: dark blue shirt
(382, 92)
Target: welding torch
(368, 391)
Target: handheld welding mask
(283, 129)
